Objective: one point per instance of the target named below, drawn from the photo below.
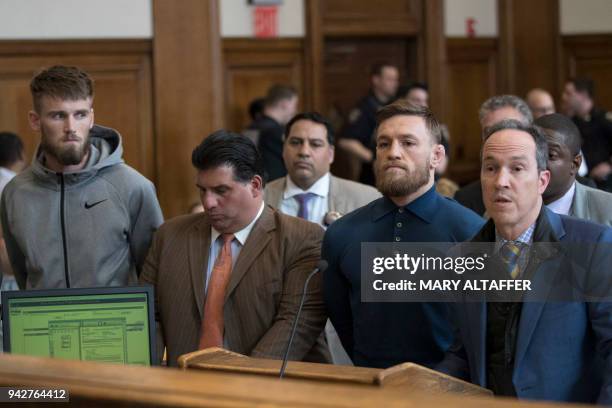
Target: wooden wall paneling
(251, 66)
(529, 45)
(506, 69)
(472, 78)
(188, 92)
(313, 49)
(435, 55)
(121, 70)
(364, 17)
(590, 56)
(347, 65)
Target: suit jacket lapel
(579, 202)
(258, 239)
(544, 265)
(332, 196)
(199, 248)
(276, 194)
(476, 315)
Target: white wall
(456, 12)
(66, 19)
(586, 16)
(237, 18)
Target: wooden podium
(409, 376)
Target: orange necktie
(212, 324)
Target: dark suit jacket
(563, 348)
(270, 145)
(263, 294)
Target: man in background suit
(280, 104)
(492, 111)
(309, 190)
(382, 334)
(564, 195)
(537, 349)
(233, 276)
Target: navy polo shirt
(384, 334)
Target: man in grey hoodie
(78, 216)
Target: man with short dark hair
(358, 135)
(233, 275)
(309, 190)
(11, 157)
(417, 93)
(280, 105)
(564, 195)
(529, 347)
(595, 126)
(380, 334)
(11, 163)
(78, 216)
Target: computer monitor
(113, 325)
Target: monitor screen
(111, 325)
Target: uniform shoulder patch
(354, 115)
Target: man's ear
(576, 163)
(437, 153)
(34, 120)
(544, 179)
(92, 119)
(257, 185)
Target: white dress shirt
(318, 206)
(564, 204)
(6, 175)
(216, 244)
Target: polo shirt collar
(424, 206)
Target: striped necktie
(510, 253)
(303, 200)
(212, 323)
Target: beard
(401, 184)
(67, 155)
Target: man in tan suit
(233, 276)
(309, 190)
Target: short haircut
(403, 107)
(277, 93)
(62, 82)
(11, 149)
(404, 90)
(534, 131)
(313, 117)
(584, 85)
(223, 148)
(565, 127)
(506, 101)
(256, 107)
(379, 66)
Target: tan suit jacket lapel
(275, 194)
(199, 247)
(255, 243)
(334, 196)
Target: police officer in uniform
(595, 126)
(358, 134)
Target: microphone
(321, 267)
